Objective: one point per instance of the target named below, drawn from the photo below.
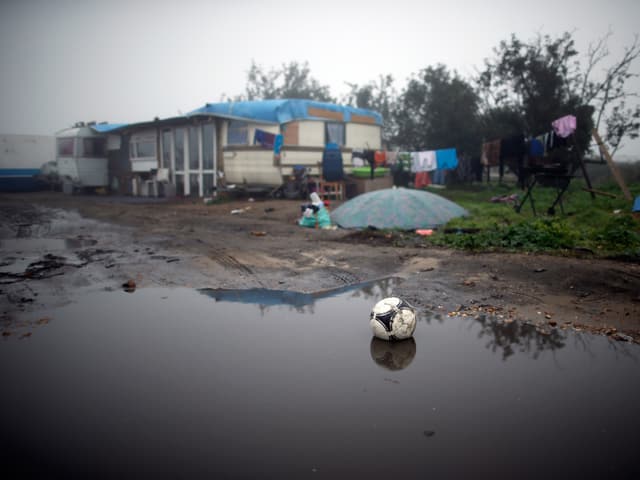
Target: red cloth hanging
(422, 180)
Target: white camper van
(81, 156)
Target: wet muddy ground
(52, 244)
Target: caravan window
(237, 133)
(208, 131)
(144, 149)
(193, 148)
(142, 146)
(93, 147)
(166, 149)
(334, 133)
(65, 146)
(178, 142)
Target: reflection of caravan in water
(81, 156)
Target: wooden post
(584, 169)
(612, 166)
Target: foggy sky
(128, 61)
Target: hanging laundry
(422, 179)
(543, 141)
(564, 126)
(423, 161)
(446, 159)
(405, 157)
(512, 151)
(536, 148)
(369, 156)
(263, 138)
(277, 144)
(491, 153)
(438, 176)
(512, 147)
(554, 141)
(379, 158)
(415, 162)
(428, 160)
(357, 158)
(392, 157)
(400, 169)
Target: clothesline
(427, 160)
(419, 163)
(496, 151)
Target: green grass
(602, 226)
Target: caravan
(81, 156)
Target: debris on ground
(129, 286)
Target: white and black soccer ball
(393, 319)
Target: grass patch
(603, 226)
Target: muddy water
(225, 384)
(43, 244)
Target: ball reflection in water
(393, 355)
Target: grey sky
(124, 61)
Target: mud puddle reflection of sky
(176, 382)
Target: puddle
(31, 245)
(264, 297)
(33, 257)
(258, 384)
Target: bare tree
(609, 94)
(379, 95)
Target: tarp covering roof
(287, 110)
(107, 127)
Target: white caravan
(81, 157)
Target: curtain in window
(335, 133)
(237, 133)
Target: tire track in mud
(229, 262)
(342, 276)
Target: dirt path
(186, 243)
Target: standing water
(253, 384)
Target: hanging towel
(536, 148)
(415, 162)
(438, 176)
(428, 160)
(277, 144)
(446, 159)
(379, 158)
(392, 157)
(564, 126)
(491, 153)
(423, 161)
(263, 138)
(422, 180)
(357, 158)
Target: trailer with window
(249, 145)
(81, 158)
(262, 142)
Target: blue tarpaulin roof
(108, 127)
(281, 111)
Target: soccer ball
(393, 319)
